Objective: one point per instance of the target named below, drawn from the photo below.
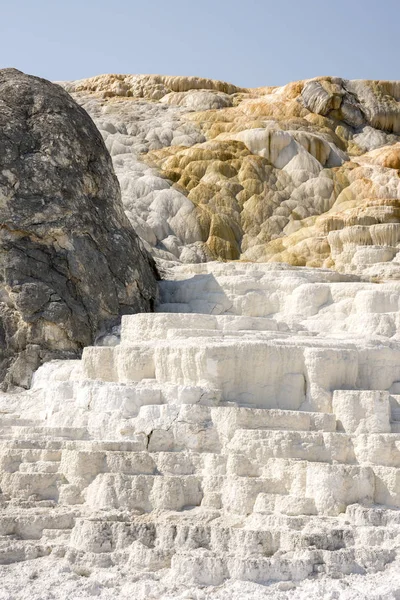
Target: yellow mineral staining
(152, 87)
(355, 220)
(209, 173)
(307, 173)
(388, 157)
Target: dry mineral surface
(242, 441)
(306, 174)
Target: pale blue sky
(246, 42)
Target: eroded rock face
(70, 262)
(295, 174)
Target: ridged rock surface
(70, 262)
(306, 174)
(242, 443)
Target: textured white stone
(243, 442)
(162, 216)
(362, 412)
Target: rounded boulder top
(70, 261)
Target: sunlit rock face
(70, 261)
(307, 173)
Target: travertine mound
(70, 262)
(241, 442)
(306, 174)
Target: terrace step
(41, 486)
(40, 467)
(14, 550)
(42, 431)
(30, 523)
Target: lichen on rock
(70, 262)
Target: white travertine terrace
(241, 442)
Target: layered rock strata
(247, 432)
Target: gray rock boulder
(70, 262)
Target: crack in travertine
(252, 451)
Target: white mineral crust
(241, 443)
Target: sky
(246, 42)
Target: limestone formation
(71, 263)
(241, 442)
(306, 174)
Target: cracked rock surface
(70, 262)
